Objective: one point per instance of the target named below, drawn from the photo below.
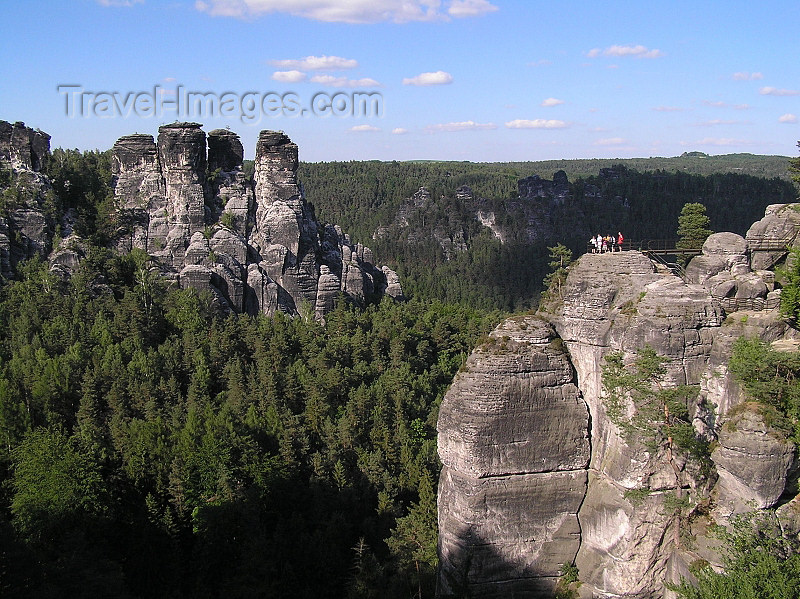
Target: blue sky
(480, 80)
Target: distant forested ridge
(478, 234)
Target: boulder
(724, 244)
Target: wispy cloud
(363, 128)
(715, 122)
(745, 76)
(435, 78)
(542, 62)
(625, 51)
(610, 141)
(399, 131)
(470, 8)
(332, 81)
(788, 118)
(460, 126)
(537, 124)
(668, 109)
(316, 63)
(358, 11)
(774, 91)
(552, 102)
(289, 76)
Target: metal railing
(734, 304)
(651, 246)
(674, 267)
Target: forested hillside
(441, 250)
(153, 449)
(151, 446)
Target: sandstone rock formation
(512, 420)
(514, 443)
(27, 225)
(256, 245)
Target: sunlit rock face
(536, 474)
(514, 443)
(256, 245)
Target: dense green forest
(442, 251)
(149, 448)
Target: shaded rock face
(780, 224)
(22, 147)
(256, 245)
(27, 226)
(505, 428)
(534, 187)
(514, 444)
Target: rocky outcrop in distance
(27, 220)
(535, 474)
(255, 244)
(183, 198)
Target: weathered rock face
(513, 439)
(22, 147)
(752, 460)
(497, 445)
(256, 245)
(26, 228)
(778, 229)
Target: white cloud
(289, 76)
(470, 8)
(349, 11)
(742, 106)
(610, 141)
(399, 131)
(536, 124)
(316, 63)
(788, 118)
(668, 109)
(360, 128)
(622, 51)
(552, 102)
(331, 81)
(461, 126)
(542, 62)
(774, 91)
(745, 76)
(435, 78)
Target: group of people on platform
(609, 243)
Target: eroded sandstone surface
(255, 244)
(531, 480)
